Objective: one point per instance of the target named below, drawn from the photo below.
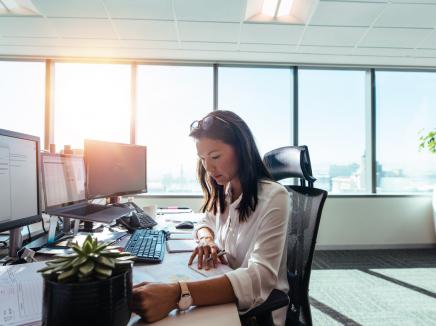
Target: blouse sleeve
(207, 221)
(253, 284)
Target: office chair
(290, 162)
(305, 216)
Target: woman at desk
(246, 215)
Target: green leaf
(126, 258)
(87, 268)
(109, 262)
(104, 271)
(80, 260)
(64, 276)
(87, 246)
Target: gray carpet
(374, 287)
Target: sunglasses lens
(195, 125)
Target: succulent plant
(89, 262)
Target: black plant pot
(92, 303)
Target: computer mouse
(185, 225)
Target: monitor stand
(15, 242)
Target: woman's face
(218, 159)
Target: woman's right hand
(207, 252)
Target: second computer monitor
(114, 169)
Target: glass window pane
(169, 99)
(91, 101)
(406, 104)
(332, 125)
(22, 91)
(263, 98)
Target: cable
(43, 226)
(29, 238)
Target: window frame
(370, 109)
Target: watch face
(185, 302)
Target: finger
(206, 251)
(214, 251)
(194, 253)
(200, 258)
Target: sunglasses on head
(207, 122)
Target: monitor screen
(63, 179)
(114, 169)
(19, 180)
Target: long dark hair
(228, 127)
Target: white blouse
(255, 248)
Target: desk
(174, 268)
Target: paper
(21, 294)
(175, 268)
(181, 245)
(220, 269)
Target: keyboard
(86, 210)
(145, 221)
(148, 245)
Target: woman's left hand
(153, 301)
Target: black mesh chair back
(307, 205)
(290, 162)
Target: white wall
(365, 222)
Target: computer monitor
(114, 169)
(19, 184)
(63, 179)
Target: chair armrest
(277, 299)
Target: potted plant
(428, 141)
(91, 286)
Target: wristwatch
(185, 297)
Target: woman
(246, 214)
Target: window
(332, 124)
(263, 98)
(22, 91)
(406, 103)
(91, 101)
(170, 98)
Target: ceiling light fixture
(277, 8)
(17, 8)
(280, 11)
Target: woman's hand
(153, 301)
(207, 252)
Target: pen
(221, 253)
(174, 207)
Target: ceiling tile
(408, 15)
(267, 48)
(425, 53)
(76, 8)
(146, 29)
(208, 46)
(84, 28)
(26, 27)
(428, 42)
(345, 50)
(394, 37)
(333, 36)
(140, 9)
(394, 52)
(209, 32)
(209, 10)
(346, 13)
(271, 33)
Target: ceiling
(346, 32)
